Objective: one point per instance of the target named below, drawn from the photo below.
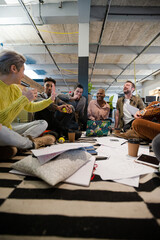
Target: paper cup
(71, 136)
(133, 146)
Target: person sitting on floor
(12, 102)
(146, 124)
(156, 146)
(123, 118)
(98, 109)
(58, 121)
(78, 102)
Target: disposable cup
(133, 146)
(71, 136)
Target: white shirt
(127, 116)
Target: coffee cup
(71, 136)
(133, 146)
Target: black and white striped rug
(32, 210)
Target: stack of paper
(119, 166)
(48, 153)
(82, 176)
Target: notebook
(83, 175)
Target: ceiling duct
(40, 36)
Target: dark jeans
(127, 126)
(57, 121)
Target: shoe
(53, 133)
(77, 134)
(7, 152)
(43, 141)
(128, 135)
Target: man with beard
(123, 118)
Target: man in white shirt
(123, 118)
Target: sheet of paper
(120, 165)
(19, 173)
(45, 158)
(83, 175)
(112, 142)
(133, 182)
(111, 170)
(46, 154)
(132, 109)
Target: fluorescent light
(31, 74)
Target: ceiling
(124, 40)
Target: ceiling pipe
(149, 75)
(40, 36)
(41, 44)
(101, 34)
(40, 16)
(144, 49)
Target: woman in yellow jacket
(13, 101)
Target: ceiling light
(31, 74)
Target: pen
(123, 143)
(101, 158)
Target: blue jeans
(17, 137)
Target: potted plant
(90, 87)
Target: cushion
(97, 128)
(57, 169)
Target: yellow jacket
(12, 102)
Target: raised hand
(53, 94)
(31, 94)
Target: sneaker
(44, 141)
(51, 133)
(7, 152)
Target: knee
(43, 123)
(136, 123)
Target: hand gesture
(76, 97)
(31, 94)
(53, 94)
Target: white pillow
(55, 170)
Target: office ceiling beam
(51, 13)
(98, 66)
(122, 13)
(122, 66)
(124, 50)
(98, 77)
(72, 49)
(121, 77)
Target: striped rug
(32, 210)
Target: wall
(150, 85)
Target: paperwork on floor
(47, 153)
(119, 166)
